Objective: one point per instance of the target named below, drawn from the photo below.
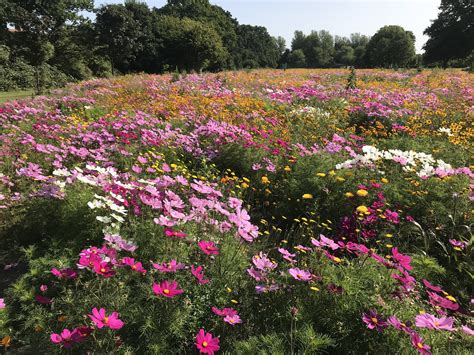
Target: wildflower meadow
(263, 211)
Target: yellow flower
(244, 185)
(362, 193)
(362, 209)
(265, 180)
(287, 168)
(314, 288)
(307, 196)
(349, 194)
(234, 301)
(451, 298)
(384, 180)
(321, 174)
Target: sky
(340, 17)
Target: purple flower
(374, 321)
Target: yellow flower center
(134, 267)
(204, 344)
(106, 320)
(436, 323)
(166, 291)
(375, 320)
(420, 345)
(102, 270)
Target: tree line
(45, 43)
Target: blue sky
(340, 17)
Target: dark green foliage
(452, 33)
(391, 46)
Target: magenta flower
(67, 273)
(402, 260)
(419, 345)
(431, 286)
(457, 244)
(172, 266)
(167, 289)
(301, 275)
(431, 322)
(101, 320)
(43, 299)
(397, 324)
(2, 303)
(174, 234)
(437, 300)
(136, 266)
(66, 338)
(233, 320)
(374, 321)
(224, 312)
(209, 248)
(198, 273)
(104, 268)
(206, 343)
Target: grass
(14, 95)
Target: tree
(210, 15)
(256, 47)
(297, 59)
(391, 46)
(189, 45)
(38, 25)
(126, 36)
(280, 43)
(451, 35)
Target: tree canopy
(452, 33)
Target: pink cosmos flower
(402, 260)
(206, 343)
(66, 338)
(172, 266)
(397, 324)
(176, 234)
(233, 320)
(287, 255)
(198, 273)
(467, 330)
(2, 303)
(431, 322)
(167, 289)
(431, 286)
(138, 267)
(301, 275)
(419, 345)
(374, 321)
(224, 312)
(442, 302)
(209, 248)
(103, 268)
(101, 320)
(44, 288)
(457, 244)
(67, 273)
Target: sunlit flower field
(251, 212)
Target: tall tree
(452, 33)
(38, 24)
(189, 45)
(391, 46)
(211, 15)
(256, 47)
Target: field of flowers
(259, 212)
